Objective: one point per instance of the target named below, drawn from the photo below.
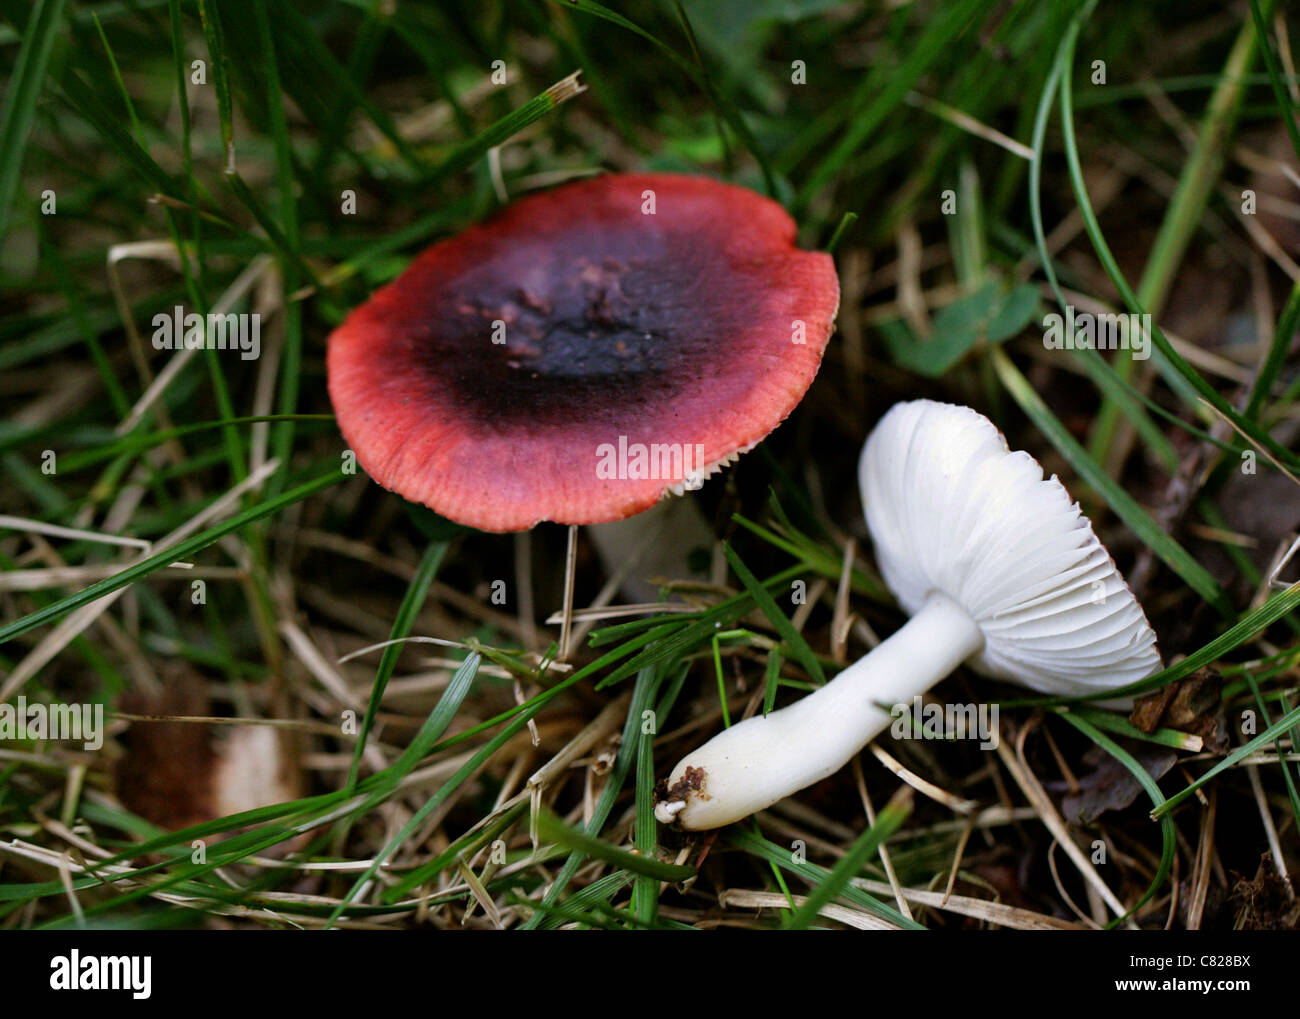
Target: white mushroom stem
(766, 758)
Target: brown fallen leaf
(178, 774)
(164, 776)
(1193, 705)
(1110, 785)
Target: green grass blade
(1181, 376)
(19, 110)
(1168, 838)
(506, 128)
(153, 563)
(552, 829)
(864, 847)
(646, 831)
(1247, 627)
(942, 30)
(1260, 17)
(792, 637)
(783, 858)
(1177, 558)
(434, 726)
(1287, 324)
(1278, 728)
(410, 608)
(215, 36)
(643, 693)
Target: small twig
(570, 568)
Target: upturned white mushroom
(997, 566)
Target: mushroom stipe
(998, 568)
(667, 315)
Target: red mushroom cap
(578, 356)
